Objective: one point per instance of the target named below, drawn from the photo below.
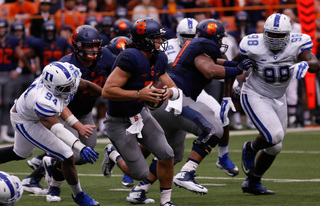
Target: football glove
(226, 104)
(300, 69)
(89, 155)
(246, 64)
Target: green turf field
(294, 176)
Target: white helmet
(10, 189)
(61, 79)
(186, 29)
(277, 30)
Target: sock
(56, 183)
(190, 165)
(165, 195)
(114, 156)
(76, 188)
(222, 150)
(143, 185)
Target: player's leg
(223, 161)
(269, 140)
(155, 141)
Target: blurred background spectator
(145, 9)
(255, 14)
(41, 17)
(68, 15)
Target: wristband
(232, 71)
(175, 94)
(77, 145)
(138, 93)
(71, 120)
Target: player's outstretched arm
(90, 87)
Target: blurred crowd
(33, 34)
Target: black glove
(246, 64)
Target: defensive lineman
(280, 56)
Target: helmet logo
(211, 28)
(122, 25)
(121, 44)
(141, 27)
(74, 35)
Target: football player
(128, 122)
(280, 56)
(191, 72)
(34, 118)
(187, 30)
(87, 56)
(48, 48)
(10, 52)
(10, 189)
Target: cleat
(139, 197)
(225, 163)
(53, 194)
(83, 199)
(127, 181)
(247, 161)
(32, 185)
(186, 180)
(248, 186)
(167, 204)
(35, 162)
(107, 164)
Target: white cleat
(186, 180)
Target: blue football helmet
(118, 44)
(105, 25)
(3, 23)
(49, 30)
(121, 27)
(213, 30)
(86, 35)
(17, 26)
(143, 32)
(92, 21)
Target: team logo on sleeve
(141, 27)
(211, 28)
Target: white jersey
(172, 50)
(37, 98)
(273, 75)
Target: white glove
(300, 69)
(226, 104)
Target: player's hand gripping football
(226, 104)
(300, 69)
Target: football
(156, 85)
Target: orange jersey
(27, 8)
(71, 18)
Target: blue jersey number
(272, 75)
(49, 97)
(253, 40)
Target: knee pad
(203, 146)
(274, 150)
